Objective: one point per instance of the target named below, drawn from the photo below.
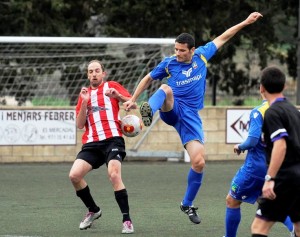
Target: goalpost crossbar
(84, 40)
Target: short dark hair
(186, 38)
(272, 79)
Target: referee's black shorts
(287, 201)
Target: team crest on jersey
(195, 65)
(187, 73)
(93, 109)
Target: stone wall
(161, 142)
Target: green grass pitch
(39, 200)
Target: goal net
(50, 71)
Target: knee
(167, 89)
(228, 201)
(75, 178)
(199, 164)
(260, 226)
(114, 177)
(231, 202)
(254, 227)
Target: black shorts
(287, 201)
(98, 153)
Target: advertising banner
(37, 127)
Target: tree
(273, 37)
(205, 20)
(44, 18)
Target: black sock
(122, 200)
(258, 235)
(87, 199)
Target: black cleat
(146, 113)
(191, 212)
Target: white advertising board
(37, 127)
(237, 125)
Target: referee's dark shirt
(282, 119)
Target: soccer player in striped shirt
(97, 111)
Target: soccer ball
(131, 125)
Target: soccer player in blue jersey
(182, 97)
(280, 133)
(246, 185)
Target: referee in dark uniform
(281, 134)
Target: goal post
(49, 71)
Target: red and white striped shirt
(103, 119)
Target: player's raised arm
(228, 34)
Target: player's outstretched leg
(191, 212)
(88, 219)
(146, 113)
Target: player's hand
(253, 17)
(129, 104)
(84, 94)
(268, 190)
(112, 92)
(236, 149)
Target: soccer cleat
(88, 219)
(146, 113)
(127, 227)
(191, 212)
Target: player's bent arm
(228, 34)
(277, 156)
(113, 93)
(143, 85)
(123, 99)
(81, 117)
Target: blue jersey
(255, 162)
(187, 80)
(246, 185)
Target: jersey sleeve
(119, 88)
(256, 123)
(208, 50)
(160, 71)
(78, 106)
(249, 143)
(254, 133)
(275, 127)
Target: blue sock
(193, 186)
(157, 100)
(232, 221)
(288, 223)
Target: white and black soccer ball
(131, 125)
